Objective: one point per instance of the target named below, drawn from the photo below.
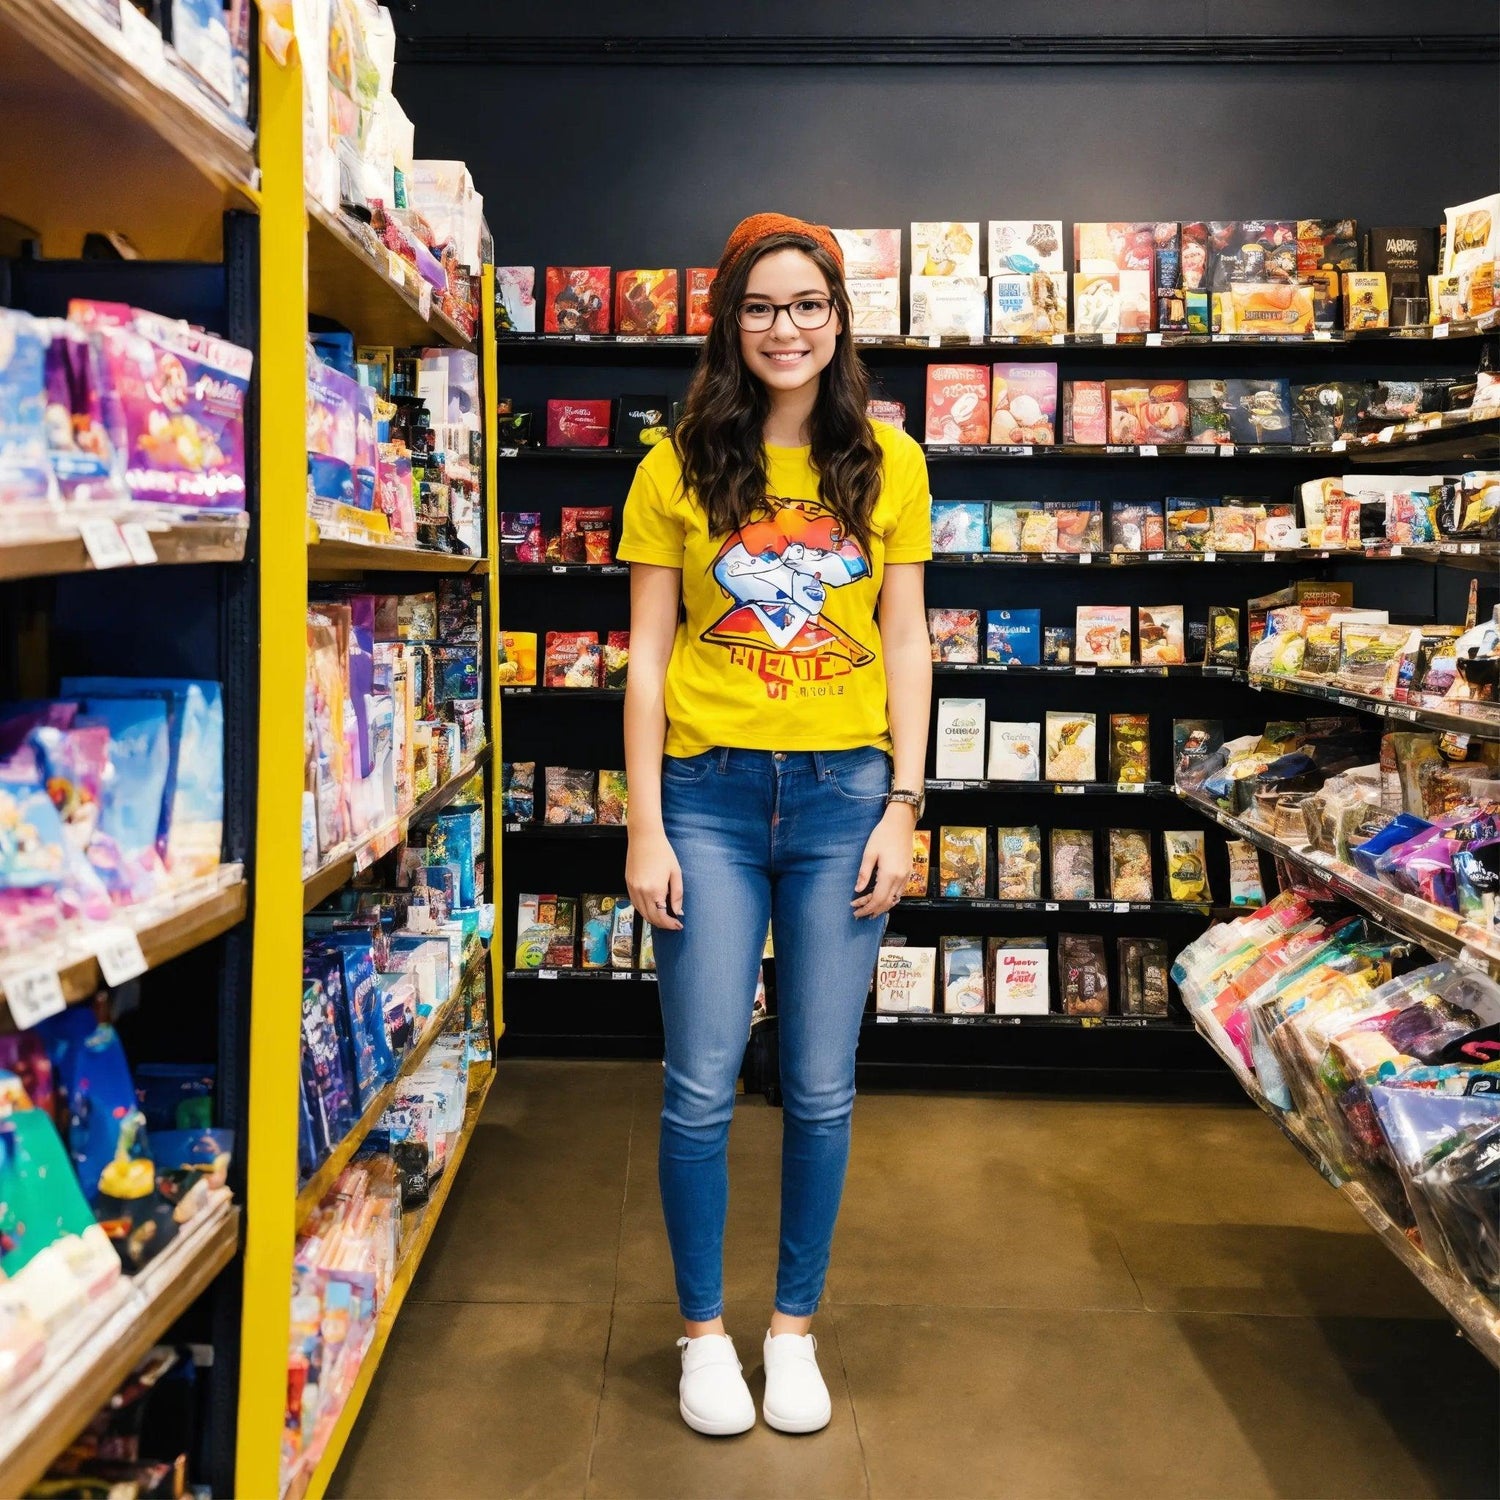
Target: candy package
(1137, 527)
(614, 798)
(1245, 886)
(1018, 864)
(1187, 869)
(1070, 747)
(1129, 748)
(963, 975)
(954, 634)
(1130, 865)
(570, 795)
(921, 863)
(1082, 974)
(1072, 864)
(963, 861)
(1143, 976)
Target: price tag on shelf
(512, 827)
(616, 978)
(509, 452)
(1322, 336)
(1069, 789)
(1085, 558)
(1226, 450)
(1083, 671)
(1109, 338)
(885, 1020)
(33, 995)
(1209, 555)
(546, 973)
(1396, 550)
(559, 567)
(1059, 338)
(1156, 557)
(1268, 557)
(583, 338)
(1147, 450)
(138, 542)
(1385, 434)
(1338, 445)
(1131, 788)
(1122, 906)
(1153, 341)
(120, 956)
(1050, 906)
(1440, 330)
(934, 341)
(104, 544)
(1468, 549)
(1089, 1021)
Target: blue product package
(362, 1001)
(175, 1096)
(366, 450)
(456, 831)
(354, 1046)
(25, 470)
(325, 1075)
(124, 849)
(332, 426)
(90, 1070)
(312, 1143)
(1402, 827)
(1013, 636)
(960, 526)
(33, 851)
(190, 835)
(362, 674)
(174, 1150)
(456, 672)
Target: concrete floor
(1029, 1297)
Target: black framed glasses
(806, 313)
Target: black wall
(593, 146)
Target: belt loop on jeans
(722, 753)
(819, 766)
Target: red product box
(586, 531)
(893, 412)
(1164, 415)
(1123, 247)
(573, 659)
(577, 300)
(1085, 412)
(958, 404)
(578, 424)
(700, 280)
(646, 302)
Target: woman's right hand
(654, 879)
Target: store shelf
(1055, 788)
(90, 1355)
(1457, 554)
(964, 905)
(598, 976)
(1081, 1023)
(316, 1188)
(337, 872)
(313, 1484)
(582, 695)
(165, 927)
(41, 545)
(333, 557)
(567, 830)
(575, 570)
(1475, 1314)
(174, 160)
(1433, 927)
(357, 282)
(584, 343)
(1481, 720)
(1053, 669)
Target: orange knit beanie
(750, 232)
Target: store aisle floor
(1029, 1297)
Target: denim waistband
(785, 762)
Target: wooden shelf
(340, 870)
(313, 1484)
(165, 932)
(57, 547)
(140, 146)
(88, 1358)
(355, 284)
(337, 557)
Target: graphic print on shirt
(777, 571)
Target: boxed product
(1013, 637)
(944, 249)
(1208, 412)
(1260, 410)
(1223, 636)
(1086, 413)
(1471, 234)
(1019, 976)
(1262, 307)
(1164, 416)
(1029, 306)
(646, 302)
(1096, 302)
(954, 634)
(1126, 400)
(870, 254)
(1057, 645)
(1129, 748)
(921, 863)
(586, 532)
(960, 739)
(1018, 864)
(1104, 634)
(700, 280)
(1024, 245)
(640, 421)
(578, 300)
(1187, 869)
(1116, 246)
(1082, 974)
(1023, 404)
(1143, 976)
(515, 299)
(1367, 302)
(947, 306)
(1130, 865)
(959, 526)
(1159, 631)
(963, 976)
(958, 404)
(904, 980)
(578, 424)
(875, 306)
(1072, 864)
(1070, 746)
(1077, 526)
(963, 861)
(1036, 525)
(1015, 751)
(1138, 526)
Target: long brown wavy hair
(720, 437)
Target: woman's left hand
(886, 863)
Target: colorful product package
(596, 930)
(1019, 980)
(1029, 305)
(1024, 246)
(954, 634)
(959, 526)
(577, 300)
(960, 739)
(578, 423)
(1187, 868)
(1130, 865)
(1082, 974)
(947, 306)
(613, 798)
(521, 537)
(1023, 404)
(958, 404)
(515, 299)
(585, 533)
(616, 659)
(1085, 413)
(904, 979)
(1104, 634)
(1189, 523)
(1013, 637)
(1143, 976)
(1018, 864)
(1015, 751)
(700, 280)
(1077, 526)
(963, 861)
(573, 659)
(1072, 864)
(963, 975)
(26, 476)
(622, 935)
(1137, 527)
(1129, 748)
(921, 863)
(646, 302)
(1245, 885)
(517, 663)
(571, 795)
(82, 454)
(1057, 645)
(1070, 746)
(1159, 631)
(944, 248)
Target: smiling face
(784, 357)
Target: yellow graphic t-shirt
(780, 649)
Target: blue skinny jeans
(763, 838)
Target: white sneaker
(712, 1394)
(796, 1398)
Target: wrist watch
(914, 800)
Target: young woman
(775, 743)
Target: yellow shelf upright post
(489, 395)
(275, 1009)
